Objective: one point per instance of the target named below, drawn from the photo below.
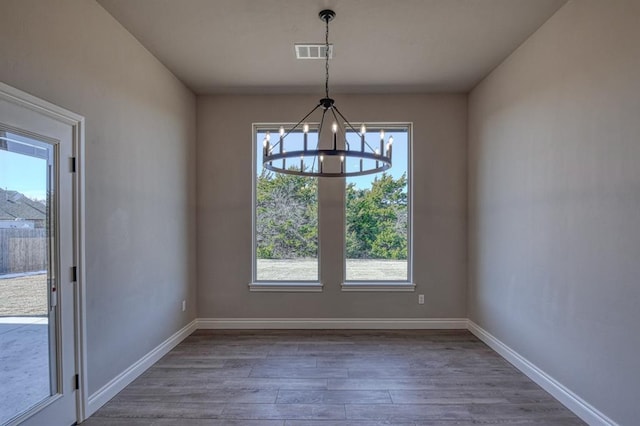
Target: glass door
(38, 364)
(28, 305)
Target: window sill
(378, 286)
(292, 287)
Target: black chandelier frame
(277, 161)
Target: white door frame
(76, 121)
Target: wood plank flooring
(332, 378)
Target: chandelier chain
(326, 55)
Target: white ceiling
(246, 46)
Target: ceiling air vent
(312, 51)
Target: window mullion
(331, 230)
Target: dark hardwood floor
(332, 378)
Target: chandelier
(332, 159)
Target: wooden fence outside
(23, 250)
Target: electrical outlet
(421, 299)
(184, 305)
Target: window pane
(377, 215)
(286, 225)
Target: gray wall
(140, 179)
(224, 209)
(554, 197)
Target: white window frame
(347, 286)
(275, 286)
(388, 285)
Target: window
(285, 219)
(375, 234)
(377, 215)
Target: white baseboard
(118, 383)
(332, 323)
(565, 396)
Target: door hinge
(53, 298)
(76, 380)
(73, 164)
(74, 273)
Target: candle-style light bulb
(342, 164)
(390, 140)
(381, 134)
(267, 136)
(377, 151)
(342, 158)
(363, 129)
(265, 142)
(321, 158)
(281, 131)
(305, 129)
(334, 129)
